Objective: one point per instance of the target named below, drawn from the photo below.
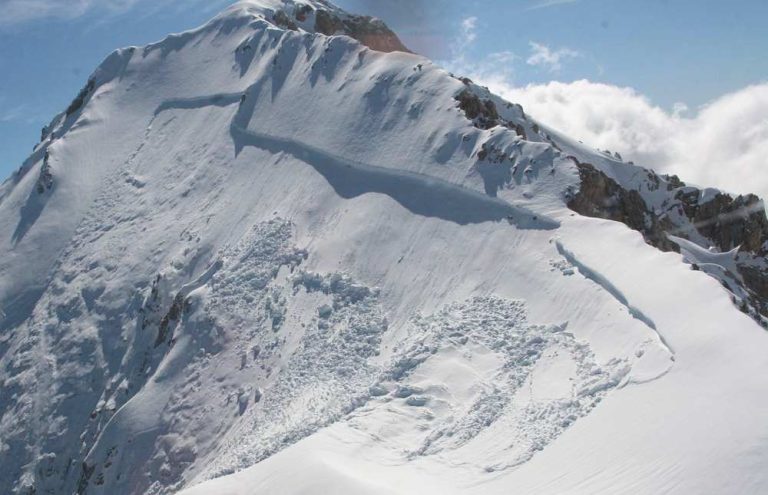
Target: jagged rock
(281, 19)
(302, 11)
(757, 280)
(173, 315)
(45, 180)
(483, 112)
(328, 23)
(79, 100)
(369, 31)
(729, 222)
(602, 197)
(726, 222)
(673, 181)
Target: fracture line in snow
(216, 100)
(600, 280)
(421, 194)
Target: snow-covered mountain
(281, 254)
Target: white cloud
(679, 108)
(468, 26)
(724, 144)
(20, 11)
(467, 35)
(544, 56)
(496, 67)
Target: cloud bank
(723, 144)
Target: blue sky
(671, 52)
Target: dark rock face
(173, 315)
(81, 97)
(284, 21)
(483, 112)
(327, 23)
(756, 280)
(726, 222)
(45, 180)
(302, 11)
(369, 31)
(729, 222)
(602, 197)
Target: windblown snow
(255, 258)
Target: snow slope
(258, 259)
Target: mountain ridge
(302, 247)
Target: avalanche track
(347, 271)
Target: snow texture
(257, 259)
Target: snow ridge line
(603, 282)
(419, 193)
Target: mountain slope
(254, 246)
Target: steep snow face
(664, 209)
(253, 246)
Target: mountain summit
(282, 254)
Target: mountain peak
(320, 16)
(263, 249)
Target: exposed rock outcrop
(284, 21)
(729, 222)
(81, 97)
(45, 180)
(602, 197)
(725, 222)
(484, 113)
(368, 30)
